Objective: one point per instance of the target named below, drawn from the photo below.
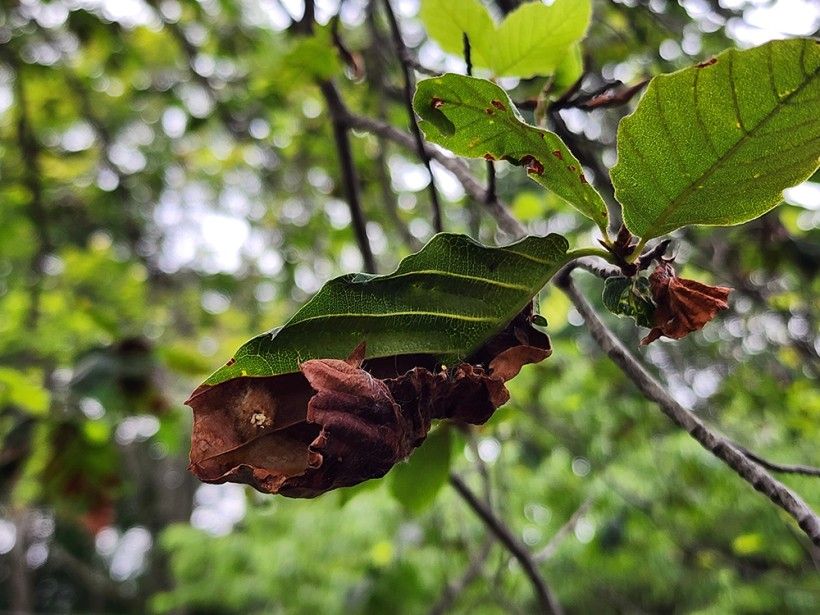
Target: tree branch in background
(497, 208)
(455, 588)
(546, 600)
(350, 180)
(719, 446)
(565, 530)
(375, 67)
(409, 85)
(29, 150)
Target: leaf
(416, 483)
(629, 297)
(683, 306)
(443, 301)
(532, 40)
(717, 143)
(475, 118)
(310, 421)
(358, 424)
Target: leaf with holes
(717, 143)
(532, 40)
(475, 118)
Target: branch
(719, 446)
(455, 588)
(350, 179)
(409, 85)
(778, 467)
(552, 546)
(546, 599)
(497, 208)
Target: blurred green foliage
(169, 187)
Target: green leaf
(627, 297)
(716, 144)
(444, 300)
(24, 391)
(417, 482)
(475, 118)
(532, 40)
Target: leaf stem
(581, 252)
(636, 253)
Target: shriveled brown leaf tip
(682, 306)
(340, 422)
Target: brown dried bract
(341, 422)
(683, 306)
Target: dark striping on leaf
(340, 422)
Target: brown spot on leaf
(533, 165)
(706, 63)
(436, 103)
(583, 178)
(489, 156)
(489, 110)
(230, 362)
(340, 422)
(498, 105)
(571, 168)
(683, 306)
(558, 154)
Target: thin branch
(409, 85)
(565, 530)
(497, 208)
(490, 195)
(778, 467)
(455, 588)
(350, 179)
(546, 600)
(719, 446)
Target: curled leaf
(682, 306)
(340, 422)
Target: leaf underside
(476, 118)
(716, 144)
(443, 301)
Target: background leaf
(417, 482)
(475, 118)
(717, 143)
(624, 298)
(532, 40)
(444, 300)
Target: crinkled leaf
(683, 306)
(288, 414)
(532, 40)
(475, 118)
(629, 297)
(416, 483)
(361, 420)
(717, 143)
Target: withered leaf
(340, 422)
(682, 306)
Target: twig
(455, 588)
(350, 179)
(778, 467)
(546, 600)
(409, 86)
(719, 446)
(497, 208)
(552, 546)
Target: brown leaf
(338, 423)
(683, 306)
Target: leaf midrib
(748, 134)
